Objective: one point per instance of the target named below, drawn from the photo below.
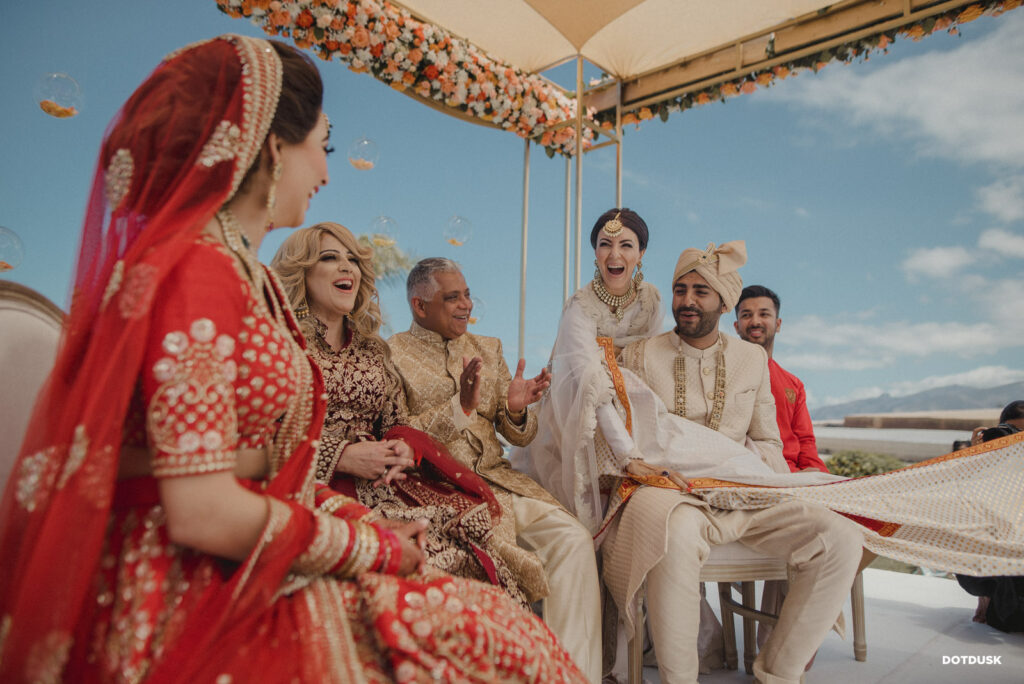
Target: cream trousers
(822, 548)
(573, 608)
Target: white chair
(30, 327)
(728, 564)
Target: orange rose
(748, 87)
(337, 23)
(883, 41)
(331, 46)
(915, 32)
(970, 14)
(305, 19)
(408, 78)
(629, 118)
(729, 89)
(398, 85)
(345, 49)
(377, 50)
(546, 139)
(646, 113)
(431, 72)
(259, 4)
(765, 78)
(391, 30)
(781, 71)
(415, 55)
(280, 18)
(943, 23)
(703, 98)
(360, 37)
(607, 124)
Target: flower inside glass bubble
(58, 94)
(459, 231)
(383, 231)
(11, 250)
(362, 154)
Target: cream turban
(718, 266)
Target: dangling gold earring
(272, 193)
(597, 270)
(639, 276)
(301, 312)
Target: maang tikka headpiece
(613, 227)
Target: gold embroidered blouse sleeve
(189, 375)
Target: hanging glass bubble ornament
(362, 154)
(11, 250)
(479, 310)
(58, 95)
(459, 231)
(384, 231)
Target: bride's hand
(638, 468)
(413, 539)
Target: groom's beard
(699, 327)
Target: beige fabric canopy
(625, 37)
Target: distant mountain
(950, 398)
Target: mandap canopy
(483, 60)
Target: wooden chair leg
(860, 644)
(749, 628)
(635, 667)
(728, 625)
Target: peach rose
(360, 37)
(391, 30)
(729, 89)
(781, 71)
(415, 55)
(765, 78)
(702, 98)
(748, 87)
(645, 113)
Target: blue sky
(883, 201)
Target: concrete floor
(912, 621)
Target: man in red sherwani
(757, 321)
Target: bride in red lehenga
(159, 523)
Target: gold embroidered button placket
(717, 395)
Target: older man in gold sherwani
(722, 382)
(460, 391)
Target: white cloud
(859, 345)
(958, 104)
(983, 376)
(1003, 242)
(937, 262)
(1003, 199)
(801, 212)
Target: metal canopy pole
(567, 279)
(522, 267)
(579, 165)
(618, 147)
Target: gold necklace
(617, 303)
(718, 404)
(236, 241)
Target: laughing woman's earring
(639, 276)
(597, 271)
(301, 312)
(272, 193)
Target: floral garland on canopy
(847, 53)
(409, 54)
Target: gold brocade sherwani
(431, 367)
(749, 410)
